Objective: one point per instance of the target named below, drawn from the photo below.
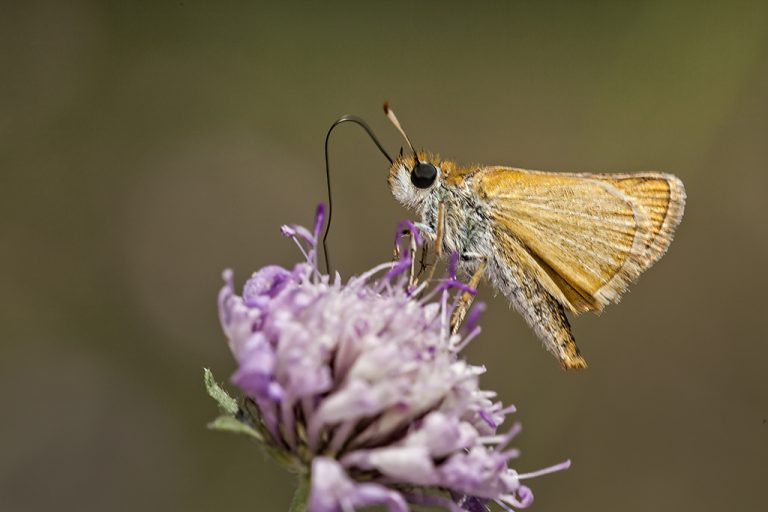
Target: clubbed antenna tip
(393, 119)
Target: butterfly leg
(412, 276)
(439, 233)
(424, 265)
(465, 301)
(427, 234)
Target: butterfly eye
(423, 175)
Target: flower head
(360, 384)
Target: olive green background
(146, 146)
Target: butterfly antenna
(393, 118)
(360, 122)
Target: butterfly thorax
(466, 217)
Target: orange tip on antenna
(393, 119)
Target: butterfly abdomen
(543, 313)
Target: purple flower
(360, 385)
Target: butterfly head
(414, 179)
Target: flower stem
(300, 501)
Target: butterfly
(550, 242)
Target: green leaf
(232, 424)
(226, 402)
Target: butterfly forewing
(662, 198)
(587, 235)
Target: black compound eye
(423, 175)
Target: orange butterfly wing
(586, 236)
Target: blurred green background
(145, 146)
